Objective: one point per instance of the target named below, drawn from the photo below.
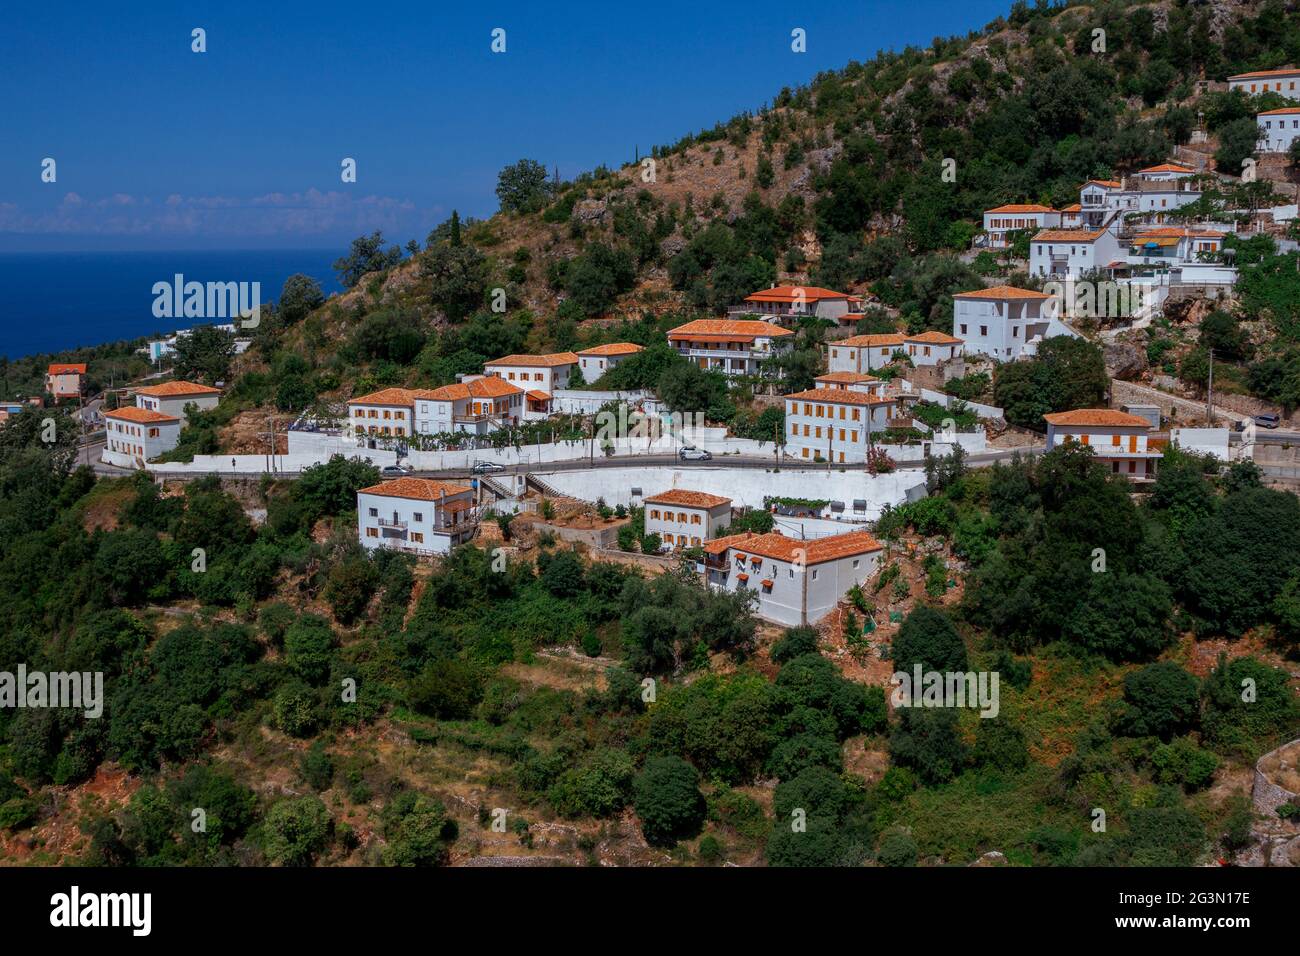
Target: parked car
(691, 453)
(487, 467)
(394, 471)
(1267, 421)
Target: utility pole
(1209, 392)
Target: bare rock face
(590, 210)
(991, 858)
(672, 245)
(1124, 361)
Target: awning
(742, 577)
(766, 583)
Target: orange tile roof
(840, 396)
(793, 293)
(1025, 207)
(1073, 207)
(740, 328)
(1284, 111)
(386, 396)
(551, 360)
(1108, 183)
(935, 338)
(67, 369)
(1002, 292)
(814, 551)
(689, 499)
(1178, 232)
(849, 378)
(1096, 416)
(1168, 168)
(538, 396)
(140, 416)
(1261, 73)
(490, 386)
(420, 489)
(613, 348)
(173, 389)
(1068, 235)
(869, 341)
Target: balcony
(392, 523)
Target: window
(372, 532)
(963, 328)
(984, 330)
(695, 519)
(819, 431)
(857, 414)
(419, 516)
(374, 512)
(654, 514)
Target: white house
(1002, 321)
(477, 405)
(1278, 129)
(596, 361)
(1072, 216)
(795, 581)
(386, 413)
(931, 348)
(832, 424)
(135, 435)
(1098, 201)
(863, 353)
(1267, 81)
(172, 398)
(686, 519)
(731, 346)
(1173, 246)
(1121, 441)
(1058, 253)
(416, 514)
(539, 373)
(853, 381)
(1001, 222)
(1165, 173)
(793, 301)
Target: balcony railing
(391, 523)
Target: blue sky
(158, 147)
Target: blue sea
(51, 301)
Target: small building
(730, 346)
(788, 302)
(540, 373)
(173, 398)
(1121, 441)
(1278, 129)
(1283, 82)
(418, 515)
(1001, 321)
(795, 581)
(1172, 246)
(477, 406)
(1098, 201)
(1070, 253)
(835, 424)
(1001, 222)
(1165, 172)
(686, 519)
(134, 435)
(1072, 216)
(931, 348)
(595, 362)
(864, 353)
(387, 413)
(65, 380)
(852, 381)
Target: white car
(690, 453)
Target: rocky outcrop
(1124, 361)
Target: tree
(366, 255)
(301, 294)
(1067, 373)
(458, 275)
(927, 741)
(204, 354)
(668, 801)
(522, 187)
(447, 689)
(309, 648)
(1161, 700)
(928, 638)
(297, 830)
(1237, 140)
(418, 830)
